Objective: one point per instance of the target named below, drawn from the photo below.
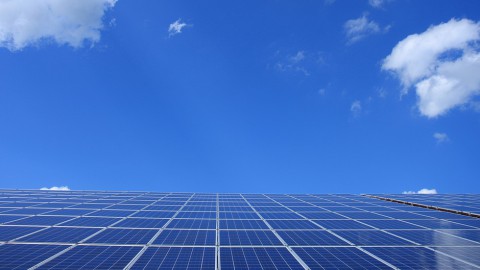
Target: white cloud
(72, 22)
(422, 191)
(61, 188)
(442, 64)
(356, 107)
(440, 137)
(296, 62)
(376, 3)
(357, 29)
(176, 27)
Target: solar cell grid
(338, 258)
(93, 257)
(255, 227)
(248, 238)
(186, 237)
(417, 258)
(123, 236)
(59, 235)
(311, 238)
(258, 258)
(25, 256)
(176, 258)
(8, 233)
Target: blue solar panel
(186, 237)
(5, 218)
(311, 238)
(417, 258)
(433, 238)
(91, 222)
(292, 224)
(154, 214)
(341, 224)
(248, 238)
(8, 233)
(40, 220)
(59, 235)
(390, 224)
(93, 257)
(192, 224)
(123, 236)
(25, 256)
(338, 258)
(242, 224)
(176, 258)
(258, 258)
(439, 224)
(372, 238)
(184, 230)
(153, 223)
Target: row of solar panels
(251, 231)
(130, 257)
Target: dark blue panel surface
(176, 258)
(311, 238)
(258, 258)
(25, 256)
(338, 258)
(123, 236)
(417, 258)
(59, 235)
(8, 233)
(186, 237)
(93, 257)
(248, 238)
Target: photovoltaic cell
(241, 224)
(177, 258)
(248, 238)
(258, 258)
(338, 258)
(145, 223)
(8, 233)
(93, 257)
(372, 238)
(186, 237)
(433, 238)
(59, 235)
(311, 238)
(25, 256)
(417, 258)
(123, 236)
(192, 224)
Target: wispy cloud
(356, 108)
(441, 137)
(176, 27)
(296, 62)
(376, 3)
(357, 29)
(55, 188)
(442, 63)
(24, 22)
(422, 191)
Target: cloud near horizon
(422, 191)
(27, 23)
(442, 64)
(55, 188)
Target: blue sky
(241, 96)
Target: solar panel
(25, 256)
(149, 230)
(93, 257)
(177, 258)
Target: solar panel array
(149, 230)
(467, 203)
